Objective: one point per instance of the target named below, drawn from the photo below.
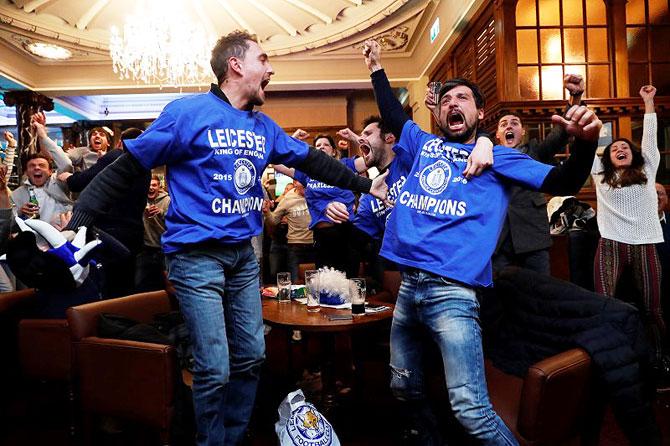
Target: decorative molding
(604, 108)
(393, 40)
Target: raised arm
(389, 107)
(558, 138)
(9, 153)
(649, 130)
(569, 176)
(63, 162)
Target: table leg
(328, 373)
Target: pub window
(556, 37)
(648, 33)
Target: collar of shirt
(663, 218)
(29, 185)
(216, 90)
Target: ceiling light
(158, 45)
(49, 51)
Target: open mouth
(365, 149)
(265, 84)
(621, 156)
(509, 136)
(455, 121)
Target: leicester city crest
(307, 427)
(435, 178)
(245, 175)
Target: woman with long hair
(624, 178)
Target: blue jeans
(217, 288)
(449, 312)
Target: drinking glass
(284, 287)
(312, 290)
(357, 295)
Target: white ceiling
(314, 44)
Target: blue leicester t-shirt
(372, 213)
(215, 155)
(445, 224)
(318, 195)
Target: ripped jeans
(449, 312)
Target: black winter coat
(528, 317)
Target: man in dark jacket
(525, 240)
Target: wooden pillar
(504, 15)
(616, 16)
(417, 93)
(27, 103)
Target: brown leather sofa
(125, 379)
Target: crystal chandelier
(158, 45)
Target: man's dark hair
(130, 133)
(33, 156)
(506, 113)
(633, 174)
(375, 119)
(234, 44)
(480, 99)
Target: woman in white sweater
(625, 180)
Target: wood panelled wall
(487, 54)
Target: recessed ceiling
(314, 44)
(282, 26)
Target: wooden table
(294, 316)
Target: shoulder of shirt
(187, 103)
(500, 150)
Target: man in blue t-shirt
(215, 148)
(443, 231)
(376, 143)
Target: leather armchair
(45, 353)
(14, 306)
(126, 379)
(45, 349)
(552, 405)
